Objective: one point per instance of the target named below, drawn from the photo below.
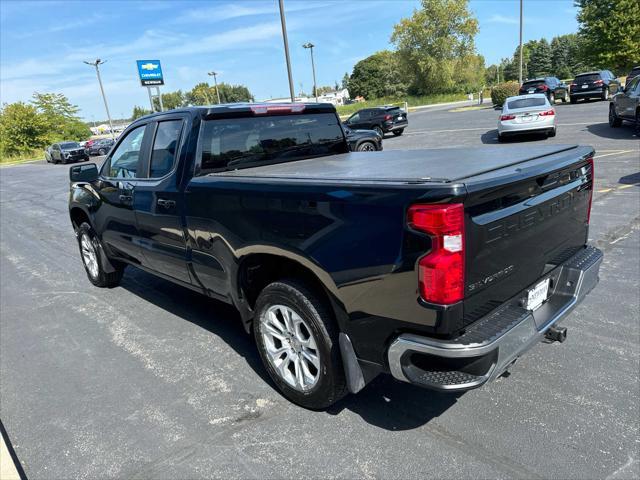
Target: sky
(43, 44)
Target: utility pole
(215, 82)
(310, 46)
(520, 71)
(286, 50)
(106, 106)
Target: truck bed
(443, 165)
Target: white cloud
(497, 18)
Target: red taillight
(441, 271)
(388, 117)
(264, 109)
(547, 113)
(598, 82)
(544, 88)
(593, 186)
(507, 117)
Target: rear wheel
(379, 131)
(565, 98)
(102, 151)
(91, 251)
(614, 120)
(638, 123)
(574, 100)
(397, 133)
(297, 340)
(552, 98)
(366, 147)
(605, 94)
(501, 138)
(552, 133)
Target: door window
(355, 118)
(126, 158)
(165, 147)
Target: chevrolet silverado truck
(440, 267)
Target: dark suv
(552, 87)
(635, 71)
(626, 105)
(100, 147)
(598, 84)
(381, 119)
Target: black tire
(397, 133)
(574, 100)
(331, 384)
(614, 120)
(552, 98)
(501, 138)
(551, 133)
(102, 151)
(605, 94)
(99, 277)
(379, 131)
(366, 147)
(565, 98)
(638, 123)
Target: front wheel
(297, 340)
(399, 132)
(614, 120)
(366, 147)
(91, 251)
(605, 94)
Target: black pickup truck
(440, 267)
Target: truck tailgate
(522, 221)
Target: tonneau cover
(427, 165)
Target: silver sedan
(527, 114)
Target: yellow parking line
(605, 190)
(628, 186)
(620, 187)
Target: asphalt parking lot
(149, 380)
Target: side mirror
(83, 173)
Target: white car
(527, 114)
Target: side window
(126, 158)
(165, 147)
(636, 88)
(355, 118)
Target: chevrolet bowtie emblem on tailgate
(149, 66)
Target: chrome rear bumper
(490, 345)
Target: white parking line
(617, 152)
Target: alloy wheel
(366, 147)
(89, 255)
(291, 347)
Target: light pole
(310, 46)
(286, 49)
(106, 106)
(215, 82)
(520, 70)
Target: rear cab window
(233, 143)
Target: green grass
(22, 157)
(344, 110)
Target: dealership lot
(149, 380)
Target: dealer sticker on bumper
(537, 295)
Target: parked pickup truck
(440, 267)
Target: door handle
(126, 198)
(166, 203)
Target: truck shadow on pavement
(631, 179)
(491, 138)
(385, 402)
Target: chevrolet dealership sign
(150, 73)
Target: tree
(234, 93)
(61, 117)
(170, 100)
(377, 76)
(611, 33)
(139, 112)
(432, 43)
(540, 58)
(22, 129)
(205, 94)
(345, 81)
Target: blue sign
(150, 73)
